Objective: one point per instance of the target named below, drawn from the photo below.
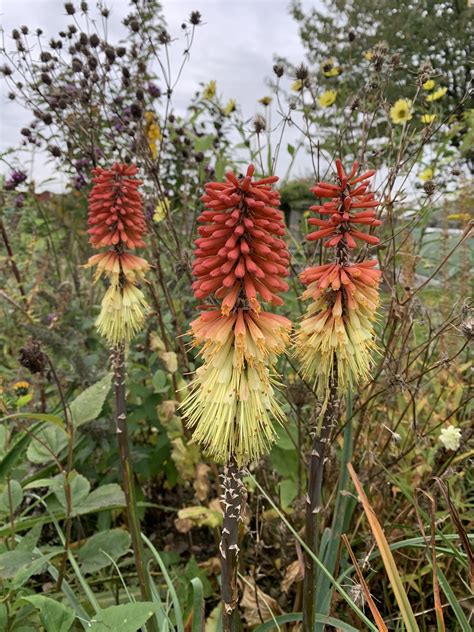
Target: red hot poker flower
(349, 193)
(116, 208)
(239, 253)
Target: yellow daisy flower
(297, 85)
(21, 388)
(327, 98)
(329, 70)
(427, 118)
(161, 210)
(429, 85)
(400, 112)
(230, 107)
(437, 94)
(265, 101)
(210, 90)
(368, 55)
(426, 174)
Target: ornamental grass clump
(336, 337)
(240, 262)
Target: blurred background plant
(363, 92)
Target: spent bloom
(240, 262)
(401, 111)
(327, 98)
(336, 337)
(117, 222)
(450, 437)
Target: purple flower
(79, 181)
(149, 210)
(16, 177)
(154, 90)
(81, 163)
(19, 201)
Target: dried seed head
(195, 18)
(94, 40)
(70, 9)
(429, 187)
(302, 72)
(32, 358)
(259, 124)
(278, 70)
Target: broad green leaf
(159, 381)
(288, 492)
(88, 405)
(103, 497)
(34, 568)
(54, 615)
(15, 494)
(48, 440)
(80, 488)
(126, 618)
(12, 561)
(113, 542)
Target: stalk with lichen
(240, 260)
(336, 338)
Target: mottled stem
(316, 463)
(232, 501)
(118, 365)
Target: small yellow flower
(297, 85)
(427, 118)
(161, 210)
(153, 132)
(210, 90)
(230, 107)
(329, 70)
(437, 94)
(265, 101)
(327, 98)
(464, 217)
(426, 174)
(429, 85)
(21, 388)
(369, 55)
(400, 112)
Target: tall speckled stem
(232, 501)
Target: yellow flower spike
(210, 90)
(152, 132)
(123, 313)
(437, 94)
(327, 98)
(401, 111)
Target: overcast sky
(235, 46)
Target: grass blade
(198, 605)
(387, 557)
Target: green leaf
(48, 440)
(54, 615)
(37, 566)
(12, 561)
(291, 149)
(126, 618)
(80, 488)
(104, 497)
(88, 405)
(288, 492)
(274, 624)
(198, 605)
(92, 555)
(13, 455)
(203, 143)
(15, 493)
(159, 382)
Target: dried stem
(313, 499)
(232, 500)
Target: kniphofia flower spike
(337, 331)
(117, 221)
(240, 262)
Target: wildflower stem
(118, 364)
(313, 499)
(232, 501)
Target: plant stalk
(118, 364)
(232, 501)
(314, 499)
